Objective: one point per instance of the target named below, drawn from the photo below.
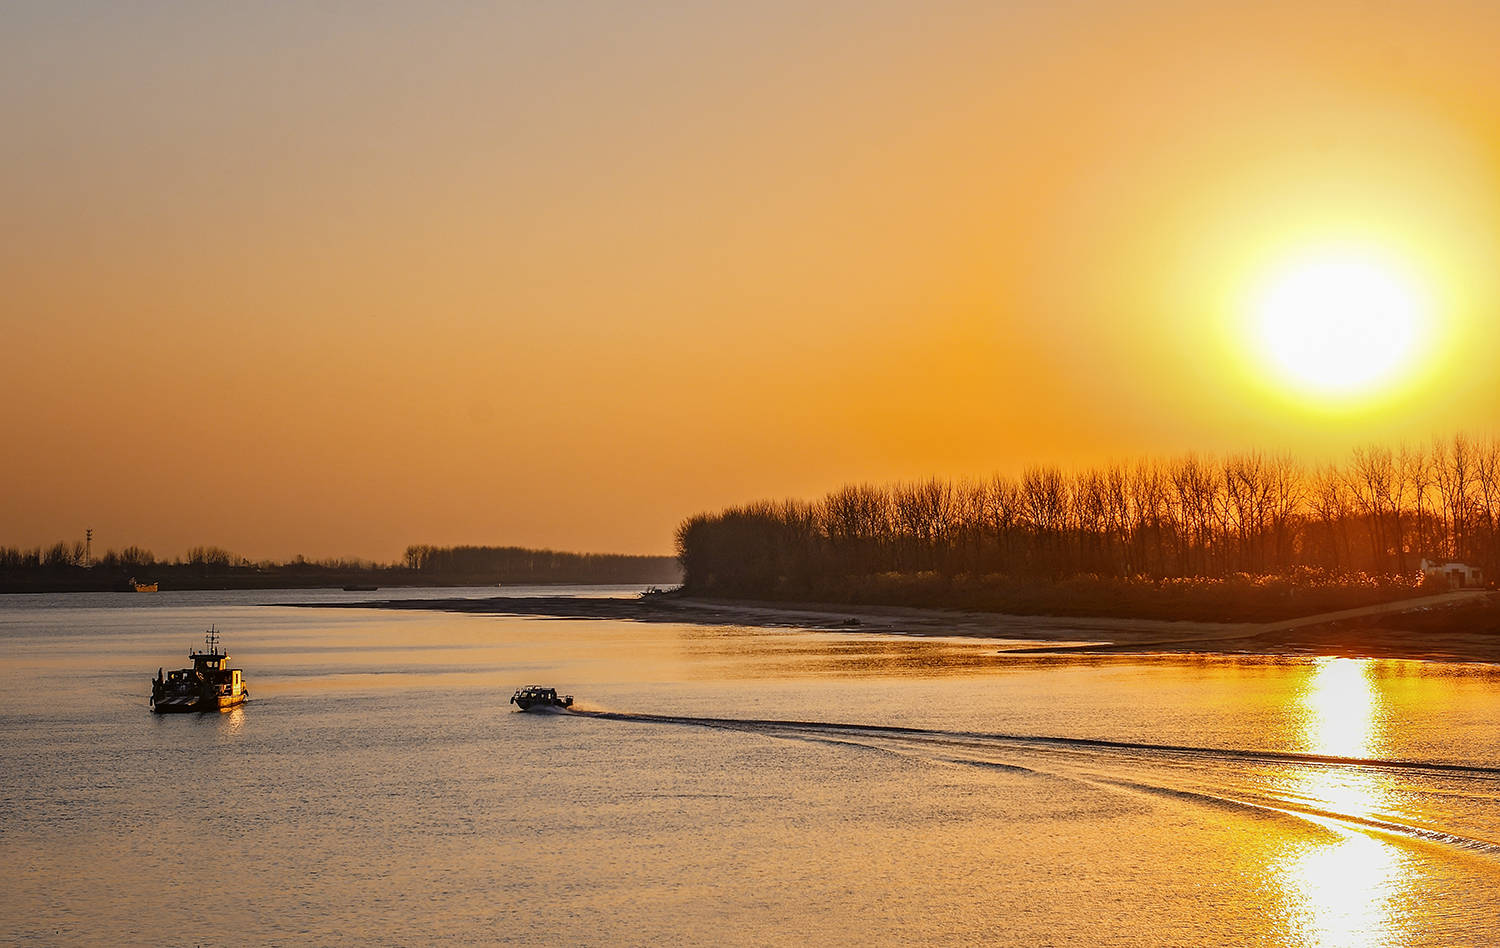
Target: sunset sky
(333, 278)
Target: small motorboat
(535, 696)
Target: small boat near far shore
(210, 685)
(535, 696)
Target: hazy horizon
(289, 279)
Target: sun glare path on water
(1344, 890)
(1341, 324)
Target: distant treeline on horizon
(1262, 520)
(67, 566)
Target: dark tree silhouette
(1249, 518)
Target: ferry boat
(533, 696)
(210, 685)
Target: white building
(1458, 575)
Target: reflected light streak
(1339, 704)
(234, 722)
(1342, 892)
(1345, 892)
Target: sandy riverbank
(1458, 626)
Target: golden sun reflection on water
(1340, 705)
(1344, 889)
(1346, 892)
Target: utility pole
(88, 546)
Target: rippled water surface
(724, 786)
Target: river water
(728, 786)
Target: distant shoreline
(281, 583)
(1448, 627)
(64, 569)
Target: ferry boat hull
(197, 704)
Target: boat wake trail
(768, 724)
(1412, 800)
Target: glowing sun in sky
(1340, 324)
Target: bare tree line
(1371, 518)
(514, 564)
(65, 554)
(66, 566)
(486, 563)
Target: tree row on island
(1250, 517)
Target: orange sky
(306, 278)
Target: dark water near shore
(742, 787)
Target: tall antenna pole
(88, 546)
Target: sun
(1340, 323)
